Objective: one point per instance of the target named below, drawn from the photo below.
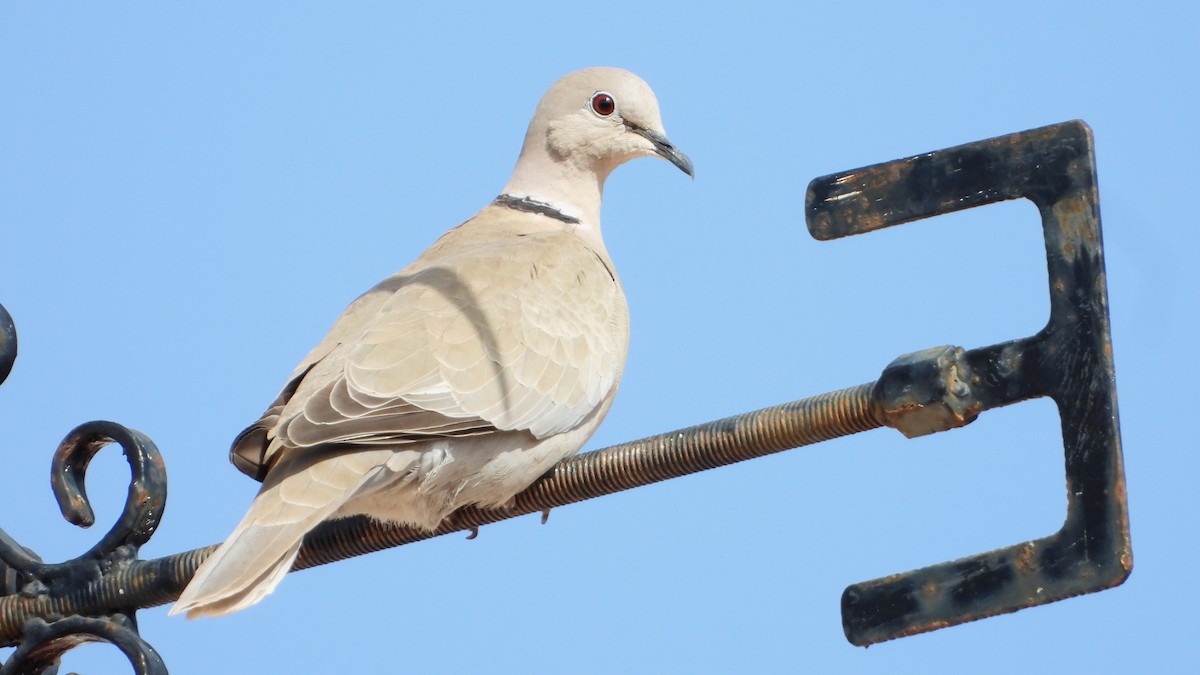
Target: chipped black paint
(979, 580)
(891, 607)
(1070, 361)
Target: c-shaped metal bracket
(1070, 361)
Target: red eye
(603, 104)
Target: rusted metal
(927, 392)
(1069, 361)
(46, 609)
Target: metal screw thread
(627, 465)
(141, 583)
(149, 583)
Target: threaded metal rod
(624, 466)
(149, 583)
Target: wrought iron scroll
(49, 634)
(46, 609)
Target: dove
(467, 375)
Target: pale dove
(465, 376)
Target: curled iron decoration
(147, 488)
(50, 585)
(45, 642)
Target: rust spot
(1025, 559)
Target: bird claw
(474, 533)
(545, 515)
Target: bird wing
(525, 332)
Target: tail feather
(262, 548)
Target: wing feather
(519, 333)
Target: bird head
(589, 122)
(601, 118)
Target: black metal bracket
(47, 609)
(1070, 361)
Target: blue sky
(190, 195)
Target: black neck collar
(530, 205)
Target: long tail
(263, 547)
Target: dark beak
(664, 148)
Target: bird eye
(603, 104)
